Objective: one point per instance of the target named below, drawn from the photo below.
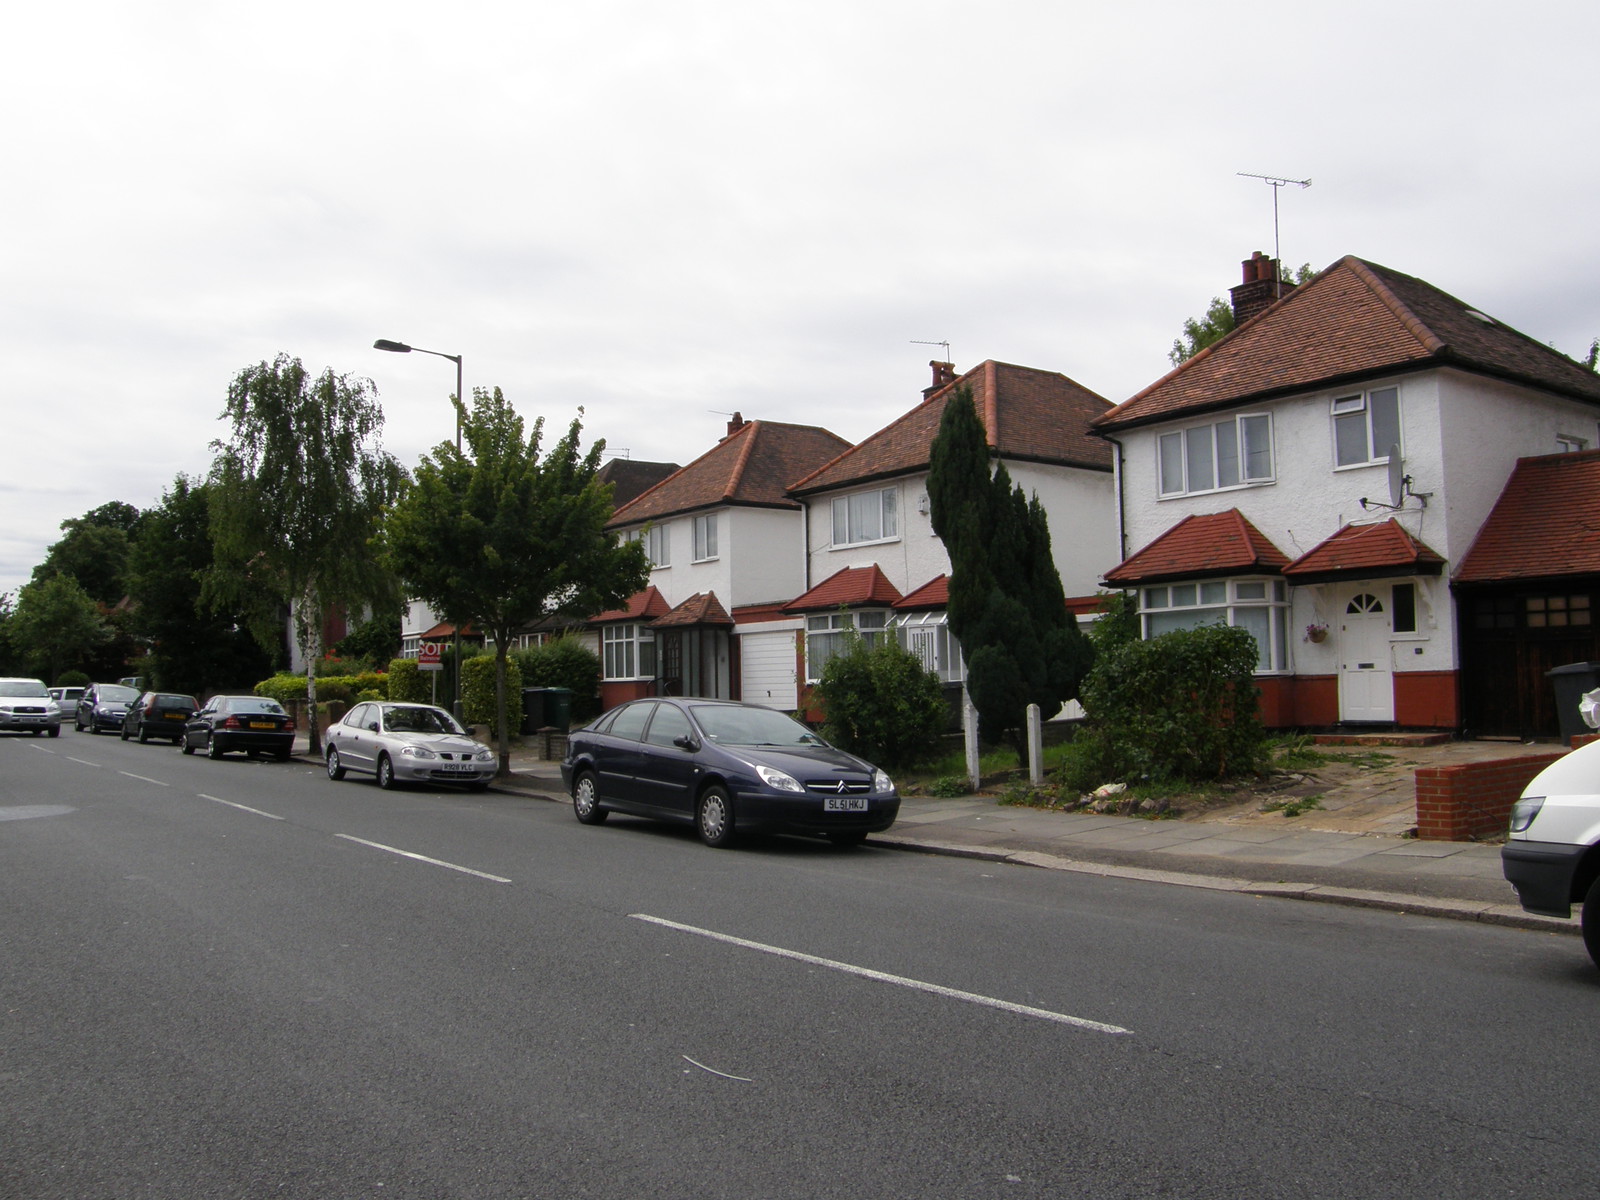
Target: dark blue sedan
(725, 768)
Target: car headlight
(1524, 811)
(484, 755)
(778, 781)
(417, 752)
(881, 781)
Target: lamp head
(386, 344)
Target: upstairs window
(1224, 454)
(705, 537)
(866, 517)
(1366, 427)
(657, 545)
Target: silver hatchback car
(407, 743)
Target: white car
(407, 743)
(1552, 851)
(25, 705)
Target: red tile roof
(1202, 545)
(641, 606)
(444, 629)
(751, 466)
(1365, 550)
(1030, 415)
(933, 594)
(1355, 320)
(702, 608)
(849, 588)
(1546, 524)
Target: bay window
(1260, 606)
(828, 633)
(628, 651)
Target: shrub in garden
(564, 663)
(408, 684)
(1179, 706)
(881, 703)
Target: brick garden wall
(1469, 801)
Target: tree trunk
(502, 732)
(310, 623)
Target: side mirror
(373, 726)
(686, 743)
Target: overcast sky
(666, 212)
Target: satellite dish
(1397, 477)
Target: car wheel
(1591, 922)
(55, 731)
(186, 744)
(850, 837)
(124, 733)
(213, 747)
(713, 817)
(77, 725)
(586, 800)
(385, 772)
(335, 771)
(144, 736)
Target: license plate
(456, 768)
(844, 804)
(262, 725)
(174, 717)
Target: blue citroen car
(726, 769)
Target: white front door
(1366, 678)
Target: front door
(1366, 678)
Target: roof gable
(1028, 414)
(1200, 546)
(751, 466)
(1546, 523)
(1373, 551)
(1354, 320)
(641, 606)
(702, 608)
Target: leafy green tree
(881, 703)
(56, 626)
(10, 652)
(191, 646)
(375, 640)
(500, 535)
(94, 550)
(298, 494)
(1007, 607)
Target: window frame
(632, 642)
(827, 633)
(705, 537)
(927, 635)
(657, 543)
(888, 517)
(1186, 461)
(1198, 596)
(1363, 402)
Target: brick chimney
(735, 423)
(944, 374)
(1261, 287)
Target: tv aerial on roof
(1276, 183)
(1399, 486)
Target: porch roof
(1200, 546)
(1365, 551)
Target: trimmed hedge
(477, 685)
(284, 688)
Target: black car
(725, 768)
(158, 715)
(103, 706)
(253, 724)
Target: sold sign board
(428, 658)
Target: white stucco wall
(1081, 507)
(767, 556)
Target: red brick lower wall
(613, 694)
(1468, 801)
(1426, 700)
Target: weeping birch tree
(298, 494)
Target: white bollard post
(969, 730)
(1035, 746)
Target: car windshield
(731, 725)
(400, 719)
(112, 693)
(28, 689)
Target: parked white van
(1552, 852)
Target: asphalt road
(238, 979)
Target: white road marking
(144, 779)
(437, 862)
(84, 761)
(883, 977)
(240, 807)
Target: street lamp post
(402, 348)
